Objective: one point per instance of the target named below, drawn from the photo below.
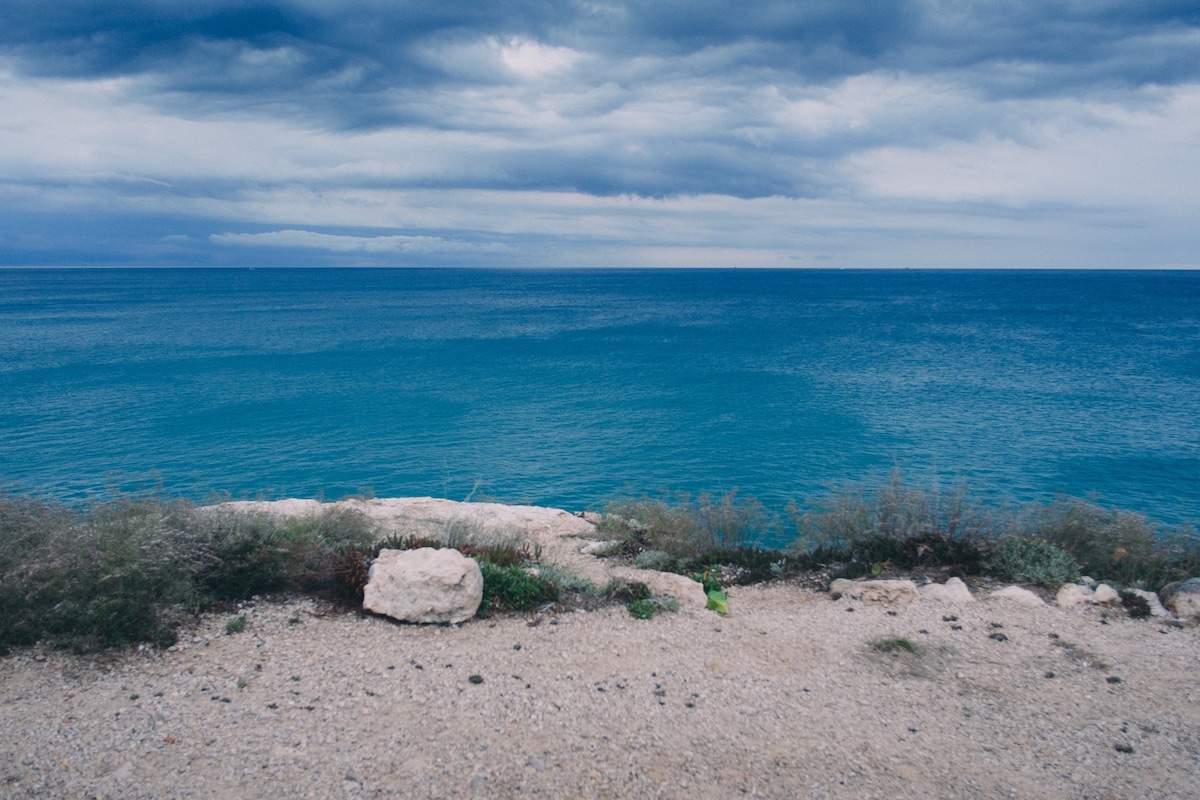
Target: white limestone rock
(1072, 594)
(1152, 601)
(1106, 595)
(839, 586)
(1182, 597)
(599, 548)
(952, 591)
(1018, 595)
(424, 585)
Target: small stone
(476, 679)
(1123, 748)
(838, 587)
(1106, 595)
(1113, 679)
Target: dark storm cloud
(191, 46)
(999, 109)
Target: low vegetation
(859, 531)
(894, 644)
(132, 569)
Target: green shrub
(642, 609)
(654, 559)
(1117, 546)
(513, 588)
(1024, 559)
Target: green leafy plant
(717, 601)
(513, 588)
(1024, 559)
(642, 609)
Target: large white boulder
(424, 585)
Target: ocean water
(568, 388)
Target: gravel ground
(784, 698)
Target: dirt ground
(785, 697)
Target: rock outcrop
(424, 585)
(1182, 598)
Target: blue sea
(568, 388)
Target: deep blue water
(568, 388)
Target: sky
(536, 133)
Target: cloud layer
(520, 133)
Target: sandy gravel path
(783, 698)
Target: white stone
(594, 548)
(424, 585)
(1156, 606)
(839, 586)
(1086, 581)
(1182, 597)
(1018, 595)
(952, 591)
(1072, 594)
(1106, 595)
(883, 592)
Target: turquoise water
(570, 387)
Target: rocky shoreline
(793, 694)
